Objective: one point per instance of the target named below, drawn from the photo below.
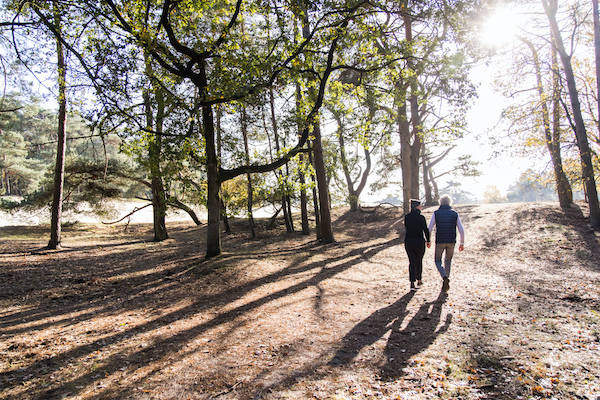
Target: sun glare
(500, 28)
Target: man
(446, 220)
(414, 242)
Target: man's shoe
(446, 285)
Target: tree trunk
(405, 151)
(159, 200)
(565, 193)
(597, 52)
(315, 199)
(352, 196)
(61, 139)
(288, 199)
(213, 178)
(182, 206)
(303, 197)
(563, 187)
(224, 217)
(321, 175)
(319, 165)
(213, 199)
(289, 226)
(249, 190)
(436, 192)
(587, 168)
(426, 182)
(417, 139)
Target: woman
(414, 242)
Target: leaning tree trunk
(587, 168)
(597, 52)
(289, 225)
(565, 193)
(182, 206)
(59, 168)
(563, 187)
(249, 189)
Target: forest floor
(113, 315)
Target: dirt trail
(115, 316)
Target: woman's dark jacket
(416, 226)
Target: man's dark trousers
(415, 249)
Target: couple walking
(445, 220)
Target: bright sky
(500, 29)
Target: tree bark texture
(552, 134)
(224, 216)
(550, 7)
(289, 225)
(249, 189)
(597, 52)
(61, 139)
(326, 229)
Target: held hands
(461, 247)
(428, 244)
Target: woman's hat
(414, 203)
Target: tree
(551, 8)
(596, 18)
(492, 195)
(61, 134)
(529, 187)
(552, 130)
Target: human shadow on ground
(400, 347)
(402, 344)
(370, 330)
(420, 332)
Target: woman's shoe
(419, 283)
(412, 286)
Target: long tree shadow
(420, 332)
(123, 293)
(167, 345)
(402, 344)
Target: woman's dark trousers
(415, 248)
